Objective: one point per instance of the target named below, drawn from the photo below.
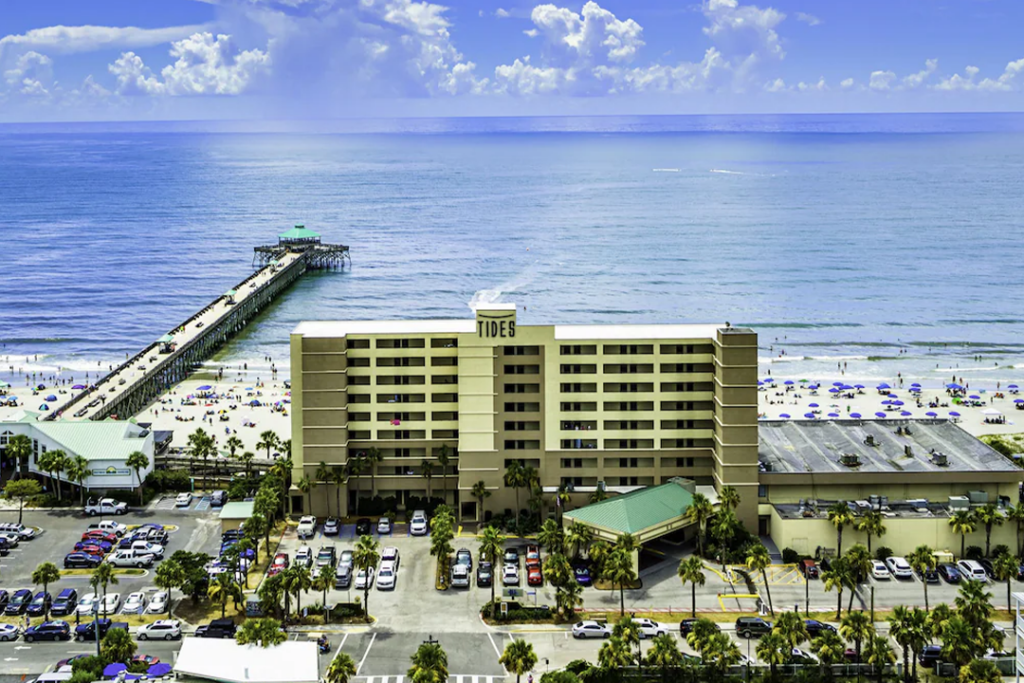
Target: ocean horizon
(885, 242)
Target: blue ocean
(889, 243)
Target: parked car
(345, 558)
(10, 538)
(879, 570)
(65, 603)
(4, 598)
(532, 556)
(363, 526)
(80, 560)
(809, 569)
(87, 629)
(649, 628)
(534, 576)
(899, 567)
(100, 535)
(990, 569)
(304, 557)
(131, 558)
(218, 498)
(105, 506)
(343, 576)
(307, 526)
(747, 627)
(159, 603)
(930, 655)
(25, 533)
(387, 576)
(183, 499)
(383, 526)
(949, 572)
(332, 526)
(464, 557)
(582, 573)
(40, 604)
(512, 556)
(389, 553)
(218, 628)
(591, 629)
(93, 547)
(279, 564)
(110, 526)
(135, 603)
(418, 523)
(110, 603)
(326, 557)
(460, 576)
(798, 656)
(686, 625)
(484, 575)
(364, 578)
(815, 628)
(510, 575)
(972, 571)
(48, 630)
(930, 575)
(19, 602)
(87, 604)
(9, 632)
(163, 629)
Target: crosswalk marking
(463, 678)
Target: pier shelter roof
(300, 233)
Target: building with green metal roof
(646, 513)
(300, 234)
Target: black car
(363, 526)
(4, 597)
(747, 627)
(18, 602)
(930, 655)
(989, 568)
(484, 574)
(5, 548)
(815, 628)
(218, 498)
(40, 604)
(686, 626)
(232, 534)
(81, 560)
(949, 572)
(49, 630)
(512, 556)
(332, 526)
(218, 628)
(65, 603)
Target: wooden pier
(133, 385)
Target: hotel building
(615, 406)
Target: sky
(68, 60)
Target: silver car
(159, 603)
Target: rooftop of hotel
(817, 446)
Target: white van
(972, 571)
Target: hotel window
(522, 407)
(400, 344)
(762, 490)
(521, 445)
(522, 369)
(683, 462)
(388, 362)
(677, 367)
(628, 444)
(358, 417)
(359, 435)
(444, 343)
(514, 426)
(5, 436)
(444, 398)
(359, 398)
(444, 415)
(629, 424)
(444, 379)
(577, 407)
(627, 368)
(358, 344)
(444, 361)
(359, 381)
(578, 388)
(628, 387)
(676, 386)
(576, 444)
(521, 350)
(628, 462)
(400, 398)
(577, 369)
(570, 463)
(572, 481)
(359, 362)
(444, 434)
(522, 388)
(576, 425)
(628, 349)
(578, 350)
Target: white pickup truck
(131, 558)
(110, 527)
(307, 526)
(105, 506)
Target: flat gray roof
(815, 446)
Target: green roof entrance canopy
(299, 233)
(166, 339)
(647, 513)
(230, 292)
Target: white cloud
(881, 80)
(744, 29)
(594, 36)
(30, 66)
(532, 32)
(846, 83)
(205, 65)
(523, 78)
(808, 19)
(778, 85)
(502, 13)
(1006, 82)
(73, 39)
(820, 85)
(917, 80)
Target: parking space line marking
(494, 645)
(366, 654)
(341, 645)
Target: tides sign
(499, 325)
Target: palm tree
(699, 513)
(1005, 567)
(691, 570)
(568, 597)
(830, 649)
(323, 476)
(551, 537)
(481, 493)
(791, 627)
(536, 501)
(78, 471)
(443, 458)
(305, 485)
(138, 461)
(44, 575)
(518, 658)
(899, 629)
(339, 477)
(839, 516)
(118, 646)
(515, 477)
(323, 582)
(724, 530)
(938, 618)
(701, 634)
(958, 641)
(356, 466)
(858, 559)
(427, 470)
(879, 653)
(720, 652)
(729, 498)
(871, 523)
(103, 576)
(980, 671)
(962, 522)
(298, 581)
(664, 654)
(233, 444)
(974, 604)
(614, 654)
(282, 470)
(577, 537)
(223, 588)
(1015, 514)
(857, 627)
(774, 651)
(628, 631)
(201, 445)
(366, 557)
(597, 495)
(60, 464)
(492, 544)
(50, 462)
(246, 459)
(341, 669)
(20, 448)
(268, 440)
(561, 501)
(371, 460)
(618, 569)
(429, 664)
(263, 632)
(758, 560)
(923, 560)
(990, 516)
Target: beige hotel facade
(614, 406)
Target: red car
(532, 556)
(279, 564)
(99, 535)
(533, 576)
(92, 550)
(148, 660)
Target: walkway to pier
(127, 389)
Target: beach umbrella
(833, 414)
(906, 413)
(855, 415)
(784, 416)
(1011, 386)
(3, 384)
(837, 384)
(41, 387)
(879, 414)
(51, 397)
(974, 397)
(44, 407)
(858, 386)
(886, 402)
(953, 413)
(114, 669)
(254, 402)
(915, 384)
(248, 388)
(897, 403)
(804, 381)
(205, 387)
(833, 390)
(813, 405)
(952, 385)
(915, 390)
(788, 382)
(161, 669)
(1018, 400)
(759, 382)
(78, 386)
(810, 416)
(932, 413)
(883, 385)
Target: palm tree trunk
(622, 599)
(839, 606)
(693, 599)
(839, 542)
(853, 594)
(988, 540)
(366, 599)
(869, 544)
(963, 540)
(926, 608)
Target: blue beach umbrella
(915, 384)
(886, 402)
(759, 382)
(833, 390)
(833, 414)
(906, 413)
(879, 414)
(44, 407)
(809, 415)
(953, 385)
(1011, 386)
(883, 385)
(205, 387)
(77, 387)
(784, 416)
(932, 413)
(51, 397)
(1018, 400)
(788, 382)
(855, 415)
(858, 386)
(161, 669)
(974, 397)
(897, 403)
(815, 405)
(114, 669)
(954, 413)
